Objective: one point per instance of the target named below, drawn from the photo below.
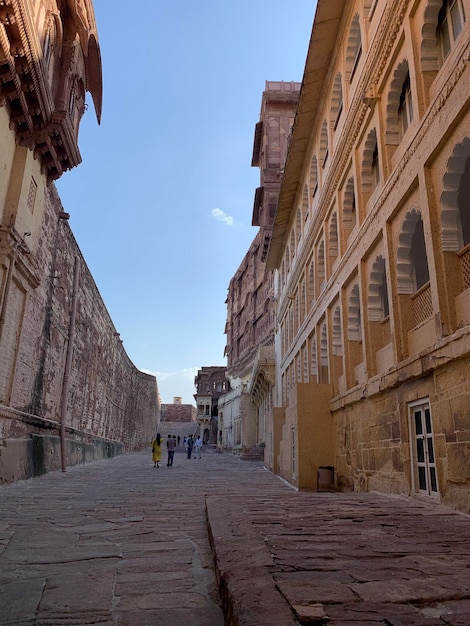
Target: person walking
(190, 443)
(198, 446)
(178, 439)
(157, 450)
(170, 446)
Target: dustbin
(326, 478)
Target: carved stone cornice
(40, 122)
(263, 374)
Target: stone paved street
(113, 542)
(122, 543)
(366, 559)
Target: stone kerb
(242, 562)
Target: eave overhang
(94, 75)
(328, 16)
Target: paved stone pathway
(366, 559)
(122, 543)
(113, 542)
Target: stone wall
(107, 404)
(373, 436)
(178, 412)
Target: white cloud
(219, 215)
(176, 384)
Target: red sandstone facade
(250, 299)
(178, 412)
(211, 383)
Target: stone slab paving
(361, 559)
(116, 542)
(122, 543)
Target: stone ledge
(242, 565)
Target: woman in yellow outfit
(157, 451)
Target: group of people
(171, 443)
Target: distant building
(178, 412)
(250, 299)
(211, 383)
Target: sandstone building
(211, 383)
(371, 253)
(68, 391)
(250, 300)
(178, 412)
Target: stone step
(254, 454)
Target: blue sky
(161, 206)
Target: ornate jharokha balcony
(46, 121)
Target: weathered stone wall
(373, 437)
(178, 412)
(110, 405)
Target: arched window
(463, 203)
(313, 356)
(324, 369)
(324, 143)
(412, 260)
(419, 259)
(321, 265)
(336, 101)
(313, 182)
(455, 199)
(303, 300)
(405, 106)
(399, 105)
(449, 25)
(375, 173)
(378, 305)
(333, 237)
(442, 23)
(311, 282)
(354, 49)
(455, 217)
(383, 294)
(349, 206)
(370, 163)
(354, 315)
(336, 339)
(298, 224)
(305, 364)
(305, 203)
